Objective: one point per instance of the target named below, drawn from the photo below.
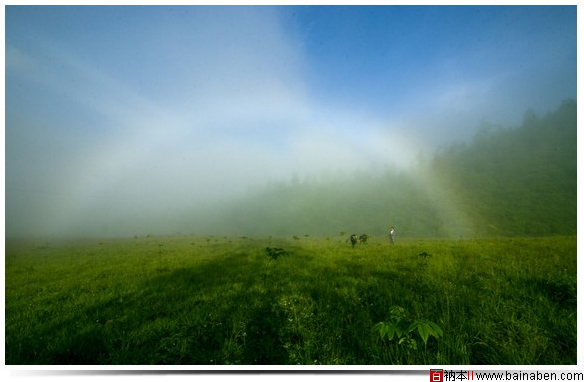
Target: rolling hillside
(514, 181)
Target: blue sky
(125, 113)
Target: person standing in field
(391, 235)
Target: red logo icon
(436, 375)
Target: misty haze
(290, 185)
(125, 121)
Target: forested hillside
(516, 181)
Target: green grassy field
(221, 300)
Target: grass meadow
(189, 300)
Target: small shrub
(400, 327)
(274, 253)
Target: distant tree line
(518, 181)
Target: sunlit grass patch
(219, 300)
